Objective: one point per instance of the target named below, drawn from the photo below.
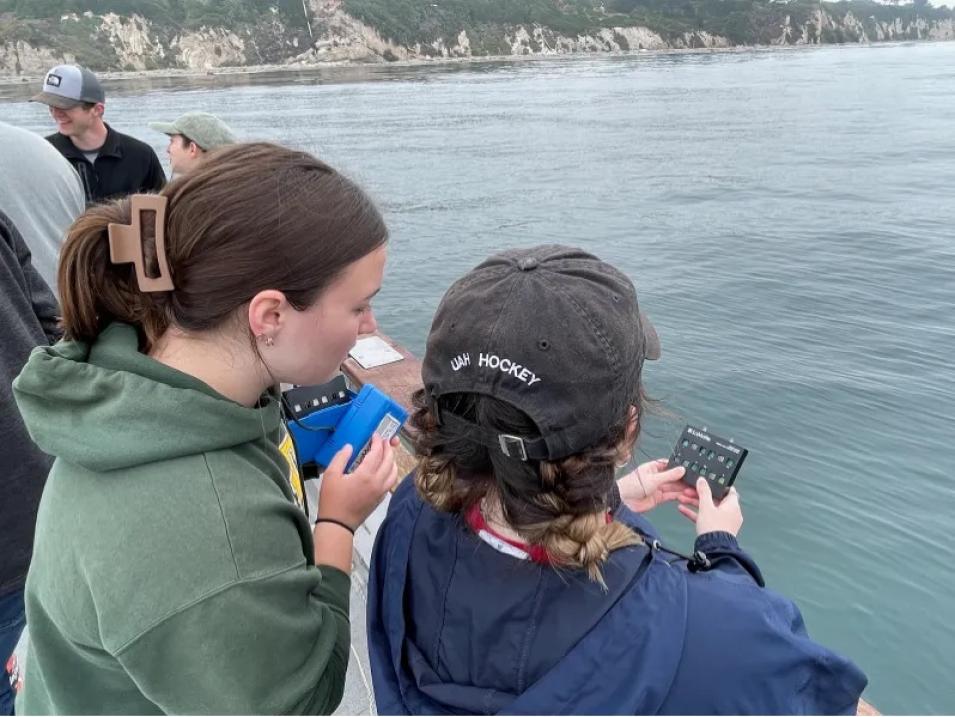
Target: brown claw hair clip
(143, 242)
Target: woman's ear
(625, 450)
(266, 313)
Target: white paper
(374, 351)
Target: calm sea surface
(788, 218)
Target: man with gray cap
(110, 164)
(192, 135)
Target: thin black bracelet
(336, 522)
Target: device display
(705, 455)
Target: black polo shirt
(124, 166)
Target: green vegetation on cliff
(743, 22)
(189, 14)
(272, 31)
(409, 21)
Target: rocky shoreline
(358, 71)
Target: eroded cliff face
(19, 57)
(114, 42)
(133, 43)
(824, 28)
(342, 37)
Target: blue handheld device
(322, 419)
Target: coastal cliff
(137, 35)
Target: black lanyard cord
(694, 563)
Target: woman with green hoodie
(172, 570)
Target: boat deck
(359, 699)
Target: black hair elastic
(336, 522)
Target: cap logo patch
(53, 80)
(494, 362)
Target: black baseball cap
(553, 331)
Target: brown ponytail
(251, 217)
(94, 291)
(558, 505)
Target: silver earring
(269, 341)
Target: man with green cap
(192, 135)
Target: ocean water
(788, 219)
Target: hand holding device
(350, 498)
(653, 483)
(726, 516)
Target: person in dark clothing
(28, 318)
(513, 573)
(110, 164)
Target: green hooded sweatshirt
(172, 570)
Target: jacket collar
(112, 147)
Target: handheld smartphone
(706, 455)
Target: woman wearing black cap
(512, 575)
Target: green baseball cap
(206, 130)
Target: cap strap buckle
(509, 442)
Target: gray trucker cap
(67, 86)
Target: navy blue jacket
(455, 627)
